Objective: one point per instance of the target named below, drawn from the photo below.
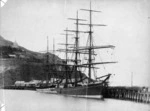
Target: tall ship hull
(90, 91)
(95, 91)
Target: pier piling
(137, 94)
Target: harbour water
(25, 100)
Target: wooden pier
(137, 94)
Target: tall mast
(90, 38)
(54, 50)
(76, 45)
(90, 35)
(66, 45)
(90, 48)
(47, 61)
(53, 64)
(66, 54)
(66, 57)
(76, 48)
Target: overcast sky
(128, 28)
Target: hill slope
(20, 64)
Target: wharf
(137, 94)
(13, 87)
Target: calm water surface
(23, 100)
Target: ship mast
(66, 54)
(76, 45)
(53, 64)
(91, 48)
(75, 48)
(49, 66)
(90, 38)
(47, 62)
(90, 35)
(66, 57)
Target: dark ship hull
(89, 91)
(95, 91)
(92, 90)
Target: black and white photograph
(74, 55)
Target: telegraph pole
(131, 79)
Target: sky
(29, 22)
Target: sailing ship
(74, 83)
(49, 71)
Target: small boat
(47, 90)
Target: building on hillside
(12, 55)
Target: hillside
(20, 64)
(10, 49)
